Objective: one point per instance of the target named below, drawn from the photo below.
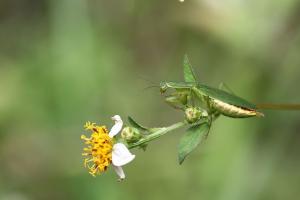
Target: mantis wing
(225, 97)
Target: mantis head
(163, 87)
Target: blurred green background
(64, 62)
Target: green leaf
(191, 139)
(136, 125)
(189, 74)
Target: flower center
(98, 153)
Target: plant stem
(160, 132)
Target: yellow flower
(101, 150)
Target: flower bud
(192, 114)
(130, 134)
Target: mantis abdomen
(232, 110)
(225, 103)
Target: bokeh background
(64, 62)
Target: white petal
(121, 155)
(115, 129)
(120, 172)
(116, 118)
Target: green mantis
(202, 104)
(215, 101)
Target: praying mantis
(209, 103)
(214, 101)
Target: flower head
(102, 151)
(130, 134)
(192, 114)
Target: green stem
(160, 132)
